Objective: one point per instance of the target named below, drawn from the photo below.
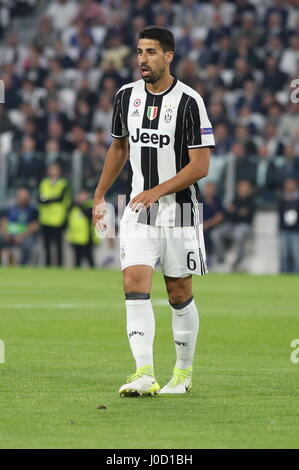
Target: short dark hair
(163, 35)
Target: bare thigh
(137, 278)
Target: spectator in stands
(222, 53)
(290, 57)
(138, 23)
(243, 135)
(22, 8)
(75, 137)
(278, 7)
(165, 8)
(80, 229)
(212, 77)
(248, 23)
(217, 113)
(103, 114)
(4, 18)
(245, 50)
(188, 14)
(30, 128)
(54, 113)
(213, 215)
(115, 52)
(250, 97)
(110, 72)
(184, 44)
(270, 137)
(142, 8)
(50, 90)
(12, 95)
(247, 118)
(223, 139)
(30, 167)
(98, 155)
(274, 114)
(274, 79)
(57, 73)
(109, 87)
(275, 27)
(274, 46)
(46, 35)
(92, 13)
(187, 71)
(62, 13)
(289, 163)
(5, 121)
(53, 154)
(236, 225)
(289, 227)
(55, 131)
(19, 227)
(87, 48)
(224, 9)
(29, 93)
(63, 55)
(83, 115)
(289, 123)
(83, 170)
(217, 30)
(35, 67)
(13, 52)
(267, 179)
(242, 72)
(198, 52)
(85, 93)
(54, 200)
(101, 137)
(238, 167)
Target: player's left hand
(145, 199)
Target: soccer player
(161, 125)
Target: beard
(150, 79)
(153, 78)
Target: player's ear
(169, 57)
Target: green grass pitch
(67, 354)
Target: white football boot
(141, 383)
(180, 381)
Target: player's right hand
(98, 215)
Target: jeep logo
(150, 138)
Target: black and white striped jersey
(161, 128)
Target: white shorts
(180, 250)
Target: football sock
(185, 324)
(140, 328)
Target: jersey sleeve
(198, 127)
(118, 130)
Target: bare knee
(179, 291)
(176, 297)
(136, 279)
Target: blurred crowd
(241, 56)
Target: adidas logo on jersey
(135, 113)
(150, 138)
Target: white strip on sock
(185, 324)
(141, 330)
